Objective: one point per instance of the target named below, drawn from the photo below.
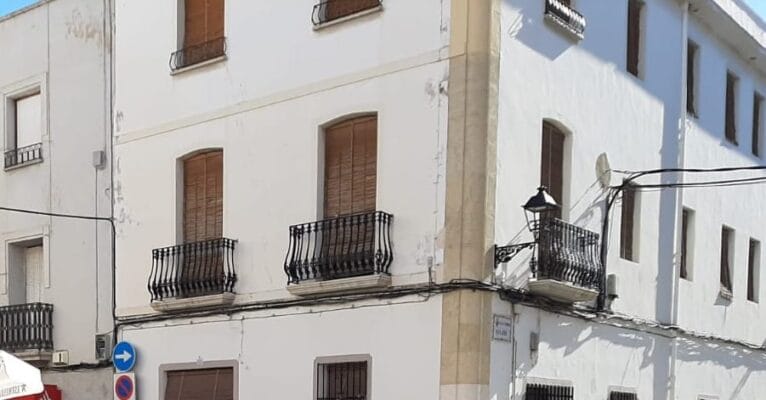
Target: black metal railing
(26, 327)
(343, 247)
(566, 16)
(193, 269)
(548, 392)
(567, 253)
(342, 381)
(329, 10)
(23, 155)
(198, 53)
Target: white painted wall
(265, 106)
(275, 349)
(59, 48)
(639, 123)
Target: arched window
(552, 162)
(350, 168)
(203, 196)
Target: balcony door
(552, 163)
(202, 264)
(33, 273)
(349, 193)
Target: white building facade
(308, 197)
(56, 271)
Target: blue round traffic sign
(124, 388)
(124, 357)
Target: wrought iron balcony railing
(342, 247)
(193, 269)
(25, 327)
(567, 253)
(562, 14)
(329, 10)
(23, 155)
(198, 53)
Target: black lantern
(538, 207)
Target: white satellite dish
(603, 171)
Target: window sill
(24, 164)
(198, 65)
(341, 20)
(188, 303)
(340, 285)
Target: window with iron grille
(622, 396)
(549, 392)
(342, 380)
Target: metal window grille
(549, 392)
(622, 396)
(342, 381)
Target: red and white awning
(17, 378)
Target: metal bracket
(503, 254)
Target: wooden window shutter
(753, 258)
(335, 9)
(203, 197)
(627, 222)
(634, 35)
(552, 163)
(203, 21)
(691, 62)
(725, 267)
(200, 384)
(731, 104)
(350, 167)
(756, 142)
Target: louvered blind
(552, 163)
(203, 197)
(204, 21)
(340, 8)
(627, 222)
(200, 384)
(350, 167)
(622, 396)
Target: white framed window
(24, 121)
(343, 377)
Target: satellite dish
(603, 171)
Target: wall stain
(86, 29)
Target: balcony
(566, 266)
(193, 275)
(345, 253)
(23, 156)
(197, 55)
(561, 14)
(27, 331)
(335, 10)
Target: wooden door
(335, 9)
(33, 273)
(202, 263)
(349, 194)
(552, 164)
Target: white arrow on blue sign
(124, 357)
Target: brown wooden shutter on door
(350, 167)
(634, 35)
(756, 142)
(691, 61)
(751, 260)
(335, 9)
(552, 163)
(200, 384)
(684, 271)
(204, 21)
(725, 267)
(731, 104)
(203, 197)
(627, 222)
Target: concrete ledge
(199, 65)
(564, 292)
(340, 285)
(38, 358)
(24, 164)
(348, 17)
(187, 303)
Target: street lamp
(539, 205)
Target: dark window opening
(727, 237)
(342, 381)
(549, 392)
(731, 108)
(635, 8)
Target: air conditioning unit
(104, 347)
(60, 358)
